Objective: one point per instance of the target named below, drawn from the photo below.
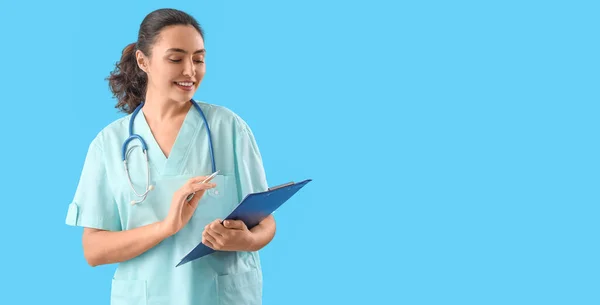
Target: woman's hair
(128, 82)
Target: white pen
(190, 196)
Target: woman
(145, 223)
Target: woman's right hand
(181, 211)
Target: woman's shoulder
(112, 132)
(222, 116)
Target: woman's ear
(141, 60)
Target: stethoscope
(133, 136)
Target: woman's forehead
(180, 38)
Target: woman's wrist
(251, 241)
(165, 230)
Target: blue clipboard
(252, 210)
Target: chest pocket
(217, 202)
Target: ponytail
(128, 82)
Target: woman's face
(176, 65)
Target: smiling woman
(168, 41)
(148, 233)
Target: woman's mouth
(186, 86)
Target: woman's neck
(158, 109)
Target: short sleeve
(249, 170)
(93, 205)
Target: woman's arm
(106, 247)
(263, 233)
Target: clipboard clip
(280, 186)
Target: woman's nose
(189, 69)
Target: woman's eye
(179, 60)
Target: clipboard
(252, 210)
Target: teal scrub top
(103, 198)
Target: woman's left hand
(232, 235)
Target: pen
(190, 196)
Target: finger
(195, 188)
(202, 186)
(214, 233)
(196, 179)
(193, 183)
(199, 179)
(211, 178)
(207, 242)
(217, 227)
(216, 238)
(213, 239)
(234, 224)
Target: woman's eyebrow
(178, 50)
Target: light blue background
(453, 144)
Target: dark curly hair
(128, 82)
